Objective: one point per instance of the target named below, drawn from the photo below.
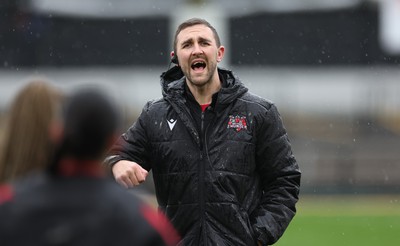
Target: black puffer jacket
(230, 182)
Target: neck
(203, 94)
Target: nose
(197, 49)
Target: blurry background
(331, 67)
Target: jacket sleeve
(133, 145)
(279, 179)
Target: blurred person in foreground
(75, 203)
(25, 145)
(222, 163)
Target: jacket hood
(171, 79)
(173, 82)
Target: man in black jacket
(74, 203)
(221, 159)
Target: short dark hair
(90, 120)
(193, 22)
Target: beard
(203, 78)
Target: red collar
(6, 193)
(73, 167)
(204, 106)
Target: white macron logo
(171, 123)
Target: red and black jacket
(78, 206)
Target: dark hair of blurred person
(25, 144)
(77, 203)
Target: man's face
(198, 54)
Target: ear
(220, 53)
(174, 58)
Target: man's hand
(129, 173)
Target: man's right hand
(129, 173)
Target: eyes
(189, 44)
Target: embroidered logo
(171, 123)
(237, 122)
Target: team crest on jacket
(237, 122)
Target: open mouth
(198, 65)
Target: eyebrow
(205, 39)
(190, 40)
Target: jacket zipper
(201, 179)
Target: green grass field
(345, 221)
